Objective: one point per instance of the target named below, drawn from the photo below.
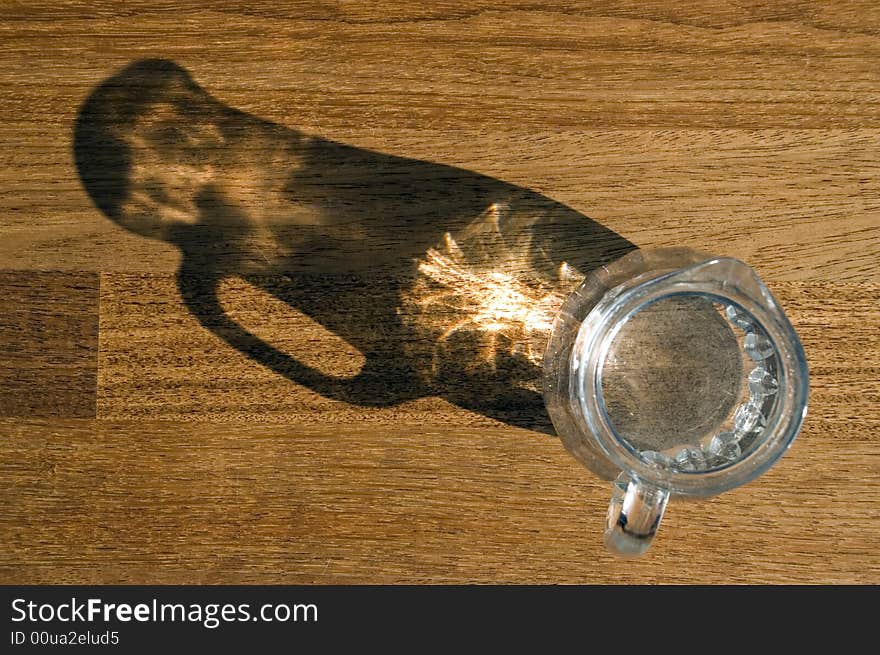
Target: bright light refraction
(494, 295)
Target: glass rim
(601, 326)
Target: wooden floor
(146, 438)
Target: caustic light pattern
(487, 296)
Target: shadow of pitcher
(419, 266)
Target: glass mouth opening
(691, 385)
(688, 382)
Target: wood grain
(749, 130)
(131, 502)
(347, 494)
(48, 344)
(156, 363)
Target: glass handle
(634, 515)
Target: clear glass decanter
(670, 372)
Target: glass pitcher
(671, 372)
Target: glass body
(672, 372)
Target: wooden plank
(748, 130)
(137, 502)
(157, 361)
(48, 344)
